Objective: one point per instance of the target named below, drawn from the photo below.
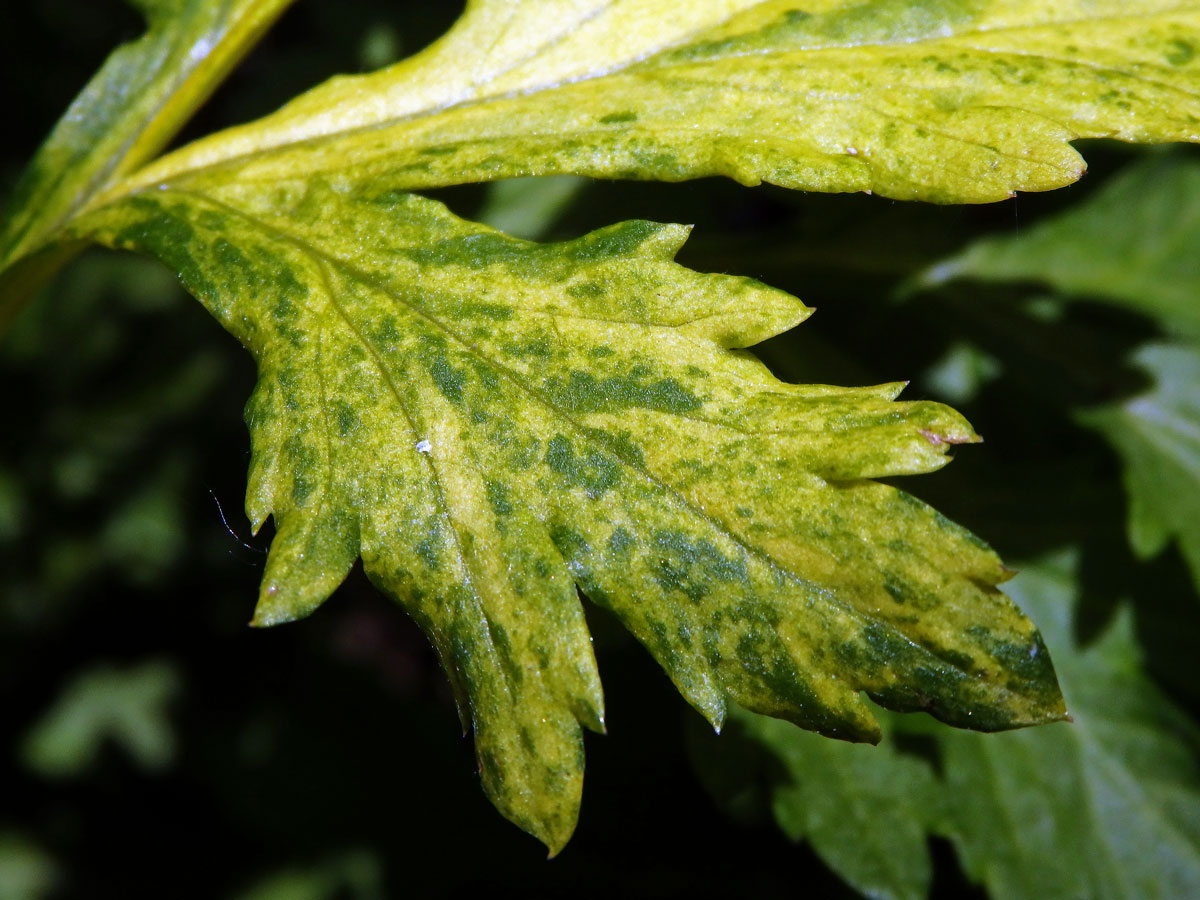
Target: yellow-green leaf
(943, 100)
(491, 423)
(132, 107)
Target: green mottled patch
(570, 543)
(594, 471)
(428, 549)
(493, 311)
(584, 392)
(498, 498)
(585, 290)
(1180, 53)
(621, 542)
(1028, 661)
(448, 378)
(541, 347)
(613, 241)
(347, 420)
(619, 118)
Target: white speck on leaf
(423, 446)
(200, 49)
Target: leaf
(1157, 435)
(132, 107)
(527, 207)
(126, 706)
(865, 810)
(1133, 244)
(354, 874)
(489, 422)
(1106, 807)
(943, 100)
(27, 871)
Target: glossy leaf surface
(943, 100)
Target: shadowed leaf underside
(492, 424)
(1133, 244)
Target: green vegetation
(543, 435)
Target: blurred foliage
(127, 707)
(354, 875)
(26, 871)
(314, 760)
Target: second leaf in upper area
(944, 100)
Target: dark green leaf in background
(1157, 435)
(1134, 244)
(125, 706)
(865, 810)
(1105, 807)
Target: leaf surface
(865, 810)
(943, 100)
(1107, 806)
(1157, 435)
(1134, 244)
(490, 423)
(132, 107)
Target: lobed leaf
(942, 100)
(490, 423)
(865, 810)
(1107, 807)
